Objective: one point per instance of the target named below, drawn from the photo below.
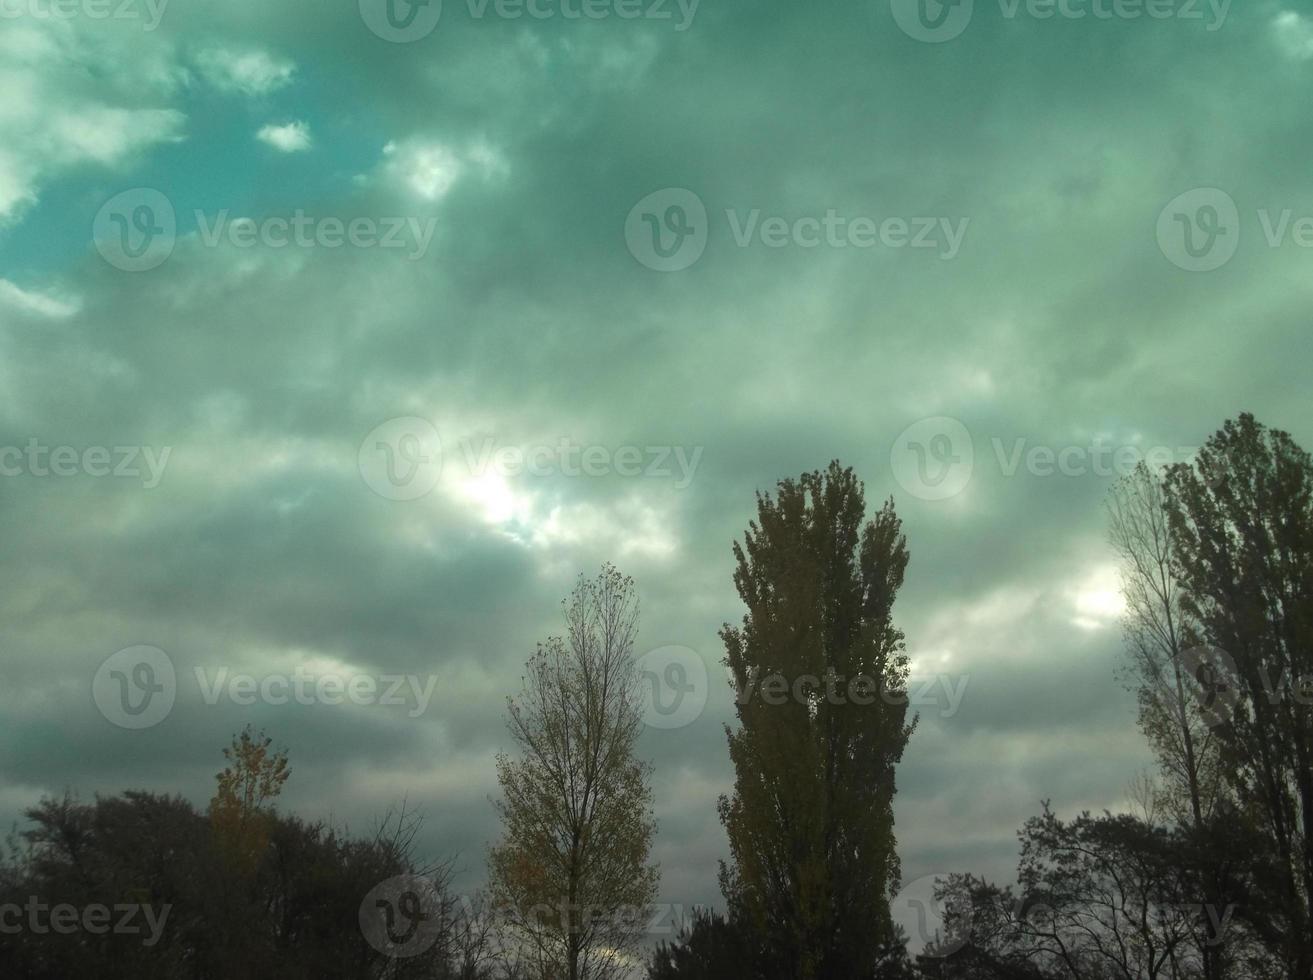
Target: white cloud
(291, 138)
(1294, 34)
(247, 71)
(431, 168)
(73, 98)
(1098, 599)
(428, 169)
(42, 304)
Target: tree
(572, 872)
(195, 915)
(1157, 633)
(254, 776)
(711, 947)
(1099, 897)
(1241, 524)
(1159, 637)
(822, 716)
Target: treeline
(1209, 878)
(144, 887)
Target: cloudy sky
(338, 338)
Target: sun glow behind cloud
(1098, 600)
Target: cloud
(428, 169)
(247, 71)
(77, 97)
(294, 137)
(530, 321)
(1294, 34)
(42, 304)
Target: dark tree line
(1212, 880)
(235, 893)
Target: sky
(337, 339)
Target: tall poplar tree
(822, 713)
(1241, 521)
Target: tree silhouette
(572, 871)
(1241, 520)
(822, 725)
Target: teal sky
(985, 264)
